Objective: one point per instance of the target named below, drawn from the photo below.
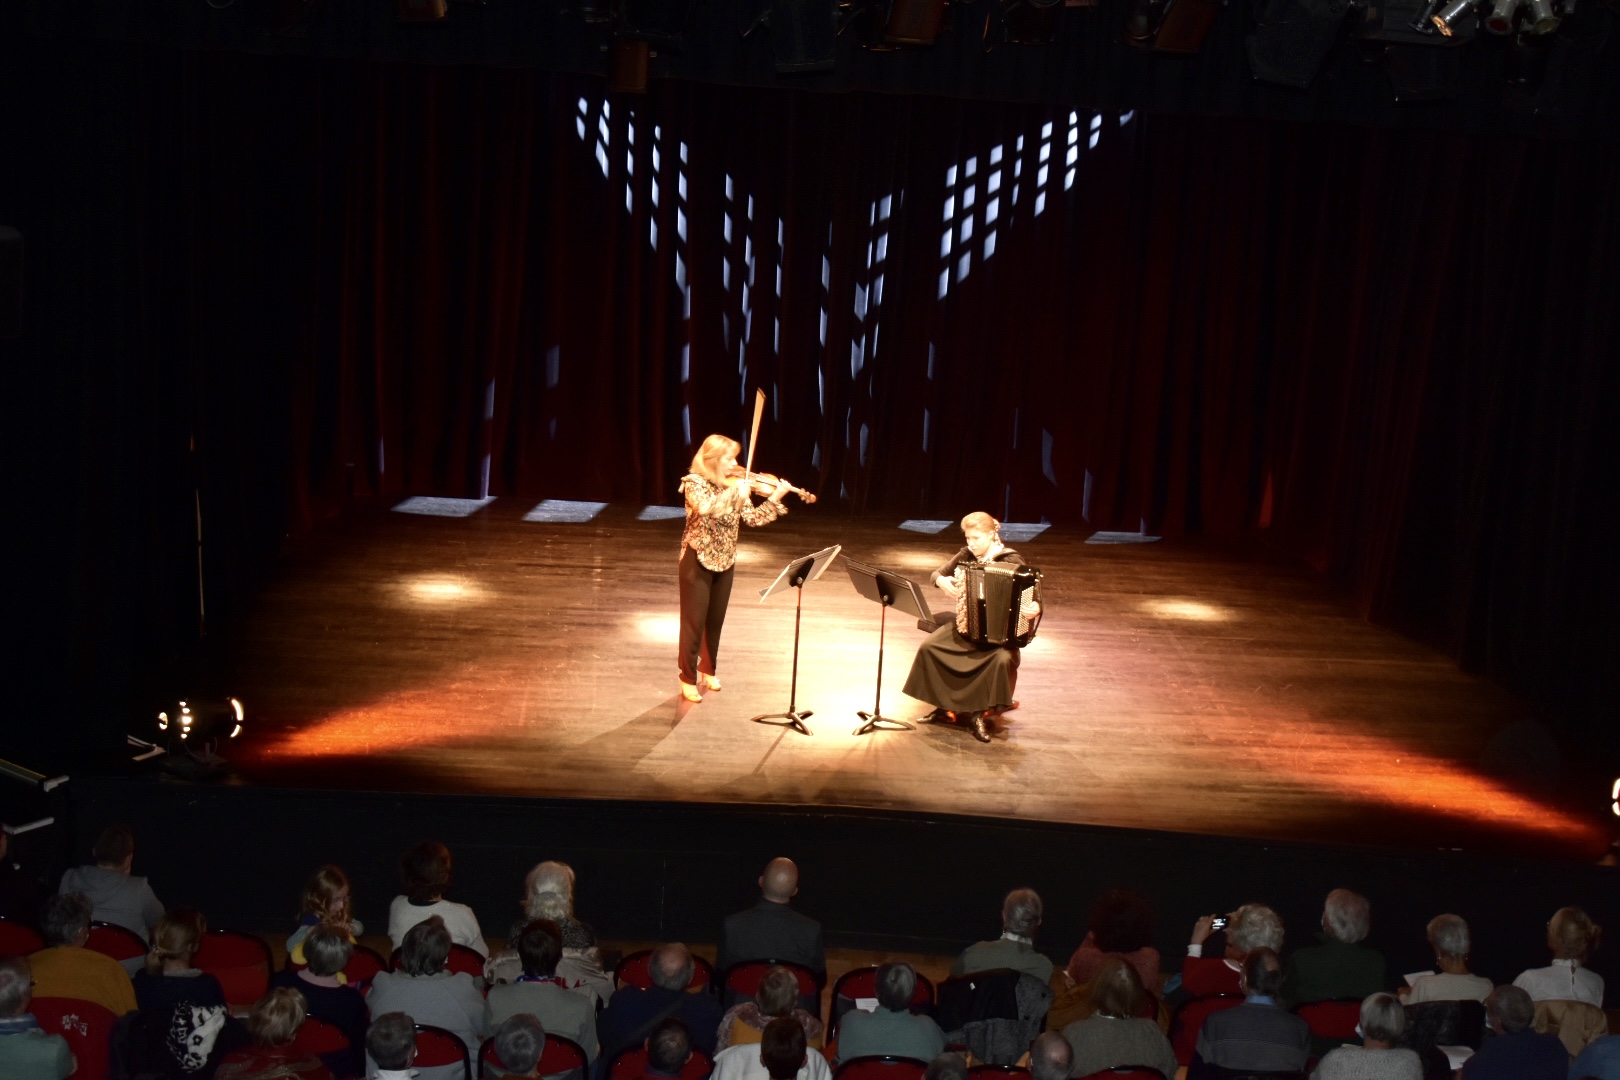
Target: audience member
(391, 1046)
(669, 1048)
(115, 895)
(1121, 924)
(1340, 967)
(1258, 1034)
(1599, 1061)
(539, 993)
(327, 898)
(1051, 1057)
(780, 1055)
(947, 1066)
(26, 1052)
(424, 990)
(1252, 926)
(20, 891)
(891, 1028)
(548, 893)
(426, 872)
(1377, 1058)
(520, 1040)
(65, 968)
(272, 1025)
(1572, 936)
(777, 996)
(772, 929)
(1015, 949)
(1448, 935)
(327, 997)
(1516, 1052)
(632, 1012)
(1115, 1034)
(169, 985)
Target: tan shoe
(690, 692)
(712, 681)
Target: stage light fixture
(1543, 19)
(193, 729)
(914, 22)
(1171, 26)
(1451, 14)
(1500, 20)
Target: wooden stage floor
(1174, 686)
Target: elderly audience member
(1259, 1034)
(947, 1066)
(425, 991)
(65, 968)
(538, 992)
(272, 1024)
(1015, 949)
(170, 985)
(391, 1045)
(669, 1048)
(777, 996)
(772, 929)
(1115, 1033)
(632, 1012)
(1382, 1020)
(1121, 924)
(328, 998)
(780, 1055)
(1516, 1052)
(1448, 935)
(1050, 1057)
(426, 872)
(548, 893)
(1250, 927)
(520, 1040)
(1572, 936)
(26, 1052)
(115, 895)
(891, 1028)
(1340, 967)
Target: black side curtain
(278, 285)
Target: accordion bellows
(997, 604)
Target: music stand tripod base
(879, 722)
(794, 720)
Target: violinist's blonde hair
(706, 462)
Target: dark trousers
(704, 596)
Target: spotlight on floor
(190, 732)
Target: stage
(1175, 686)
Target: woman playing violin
(717, 501)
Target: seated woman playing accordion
(971, 666)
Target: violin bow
(753, 432)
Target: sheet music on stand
(801, 571)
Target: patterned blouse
(715, 538)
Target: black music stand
(795, 575)
(887, 589)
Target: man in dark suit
(1259, 1034)
(632, 1014)
(771, 929)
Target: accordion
(993, 609)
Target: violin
(764, 484)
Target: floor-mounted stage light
(192, 730)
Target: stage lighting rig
(190, 732)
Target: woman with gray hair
(777, 996)
(548, 894)
(891, 1028)
(1377, 1058)
(1449, 936)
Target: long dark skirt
(952, 673)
